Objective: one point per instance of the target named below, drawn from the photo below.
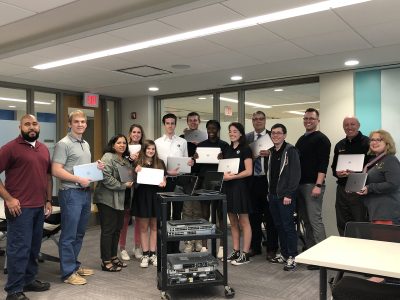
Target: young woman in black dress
(145, 205)
(237, 193)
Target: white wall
(337, 101)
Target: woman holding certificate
(237, 193)
(109, 196)
(145, 205)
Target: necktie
(257, 162)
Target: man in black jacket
(349, 206)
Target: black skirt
(237, 196)
(145, 201)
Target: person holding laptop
(146, 206)
(283, 178)
(109, 196)
(74, 197)
(27, 195)
(213, 141)
(136, 138)
(237, 192)
(381, 195)
(348, 205)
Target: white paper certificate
(134, 148)
(150, 176)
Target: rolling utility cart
(164, 280)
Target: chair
(354, 288)
(51, 226)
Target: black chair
(51, 227)
(3, 228)
(355, 288)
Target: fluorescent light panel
(246, 103)
(249, 22)
(23, 100)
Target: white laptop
(352, 162)
(179, 162)
(150, 176)
(229, 165)
(134, 148)
(196, 136)
(355, 182)
(208, 155)
(89, 171)
(263, 143)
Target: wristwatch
(48, 201)
(318, 185)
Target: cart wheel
(229, 292)
(165, 296)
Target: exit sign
(90, 100)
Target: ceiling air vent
(144, 71)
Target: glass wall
(229, 112)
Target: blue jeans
(24, 238)
(75, 207)
(284, 223)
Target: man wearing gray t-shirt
(74, 197)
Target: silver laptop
(179, 162)
(263, 143)
(196, 136)
(352, 162)
(355, 182)
(207, 155)
(125, 173)
(229, 165)
(89, 171)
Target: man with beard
(27, 198)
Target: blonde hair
(387, 138)
(76, 113)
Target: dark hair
(192, 114)
(142, 138)
(279, 125)
(214, 122)
(259, 112)
(111, 143)
(311, 110)
(156, 161)
(242, 139)
(168, 116)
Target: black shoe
(37, 286)
(312, 267)
(17, 296)
(252, 252)
(271, 255)
(242, 259)
(234, 255)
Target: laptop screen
(188, 183)
(213, 181)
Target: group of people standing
(269, 187)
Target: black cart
(163, 238)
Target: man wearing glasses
(259, 191)
(314, 148)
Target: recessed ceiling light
(153, 89)
(12, 106)
(351, 62)
(202, 98)
(236, 77)
(278, 90)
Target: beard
(29, 138)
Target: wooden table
(353, 255)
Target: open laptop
(355, 182)
(212, 184)
(229, 165)
(125, 173)
(187, 183)
(178, 162)
(89, 171)
(352, 162)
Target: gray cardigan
(111, 191)
(383, 198)
(289, 174)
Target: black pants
(261, 212)
(111, 221)
(349, 208)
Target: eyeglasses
(258, 119)
(309, 119)
(276, 133)
(376, 140)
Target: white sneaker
(138, 253)
(153, 260)
(203, 249)
(220, 253)
(144, 263)
(188, 247)
(198, 245)
(125, 255)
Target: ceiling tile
(98, 42)
(38, 5)
(59, 52)
(332, 43)
(27, 60)
(10, 69)
(192, 48)
(374, 34)
(227, 59)
(10, 13)
(202, 17)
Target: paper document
(134, 148)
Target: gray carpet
(256, 280)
